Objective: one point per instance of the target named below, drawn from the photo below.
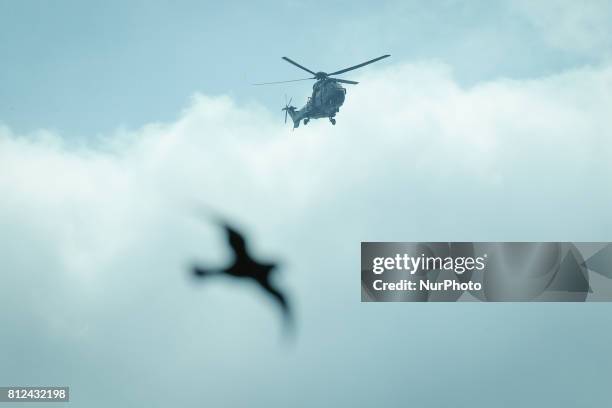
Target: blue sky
(489, 123)
(83, 69)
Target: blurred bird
(244, 266)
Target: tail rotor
(287, 107)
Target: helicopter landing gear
(306, 121)
(332, 120)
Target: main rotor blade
(345, 81)
(342, 71)
(298, 65)
(282, 82)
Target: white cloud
(97, 238)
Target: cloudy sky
(117, 121)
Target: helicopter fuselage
(327, 97)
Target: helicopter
(327, 94)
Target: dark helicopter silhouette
(327, 94)
(244, 266)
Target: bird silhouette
(244, 266)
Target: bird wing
(202, 272)
(236, 241)
(279, 297)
